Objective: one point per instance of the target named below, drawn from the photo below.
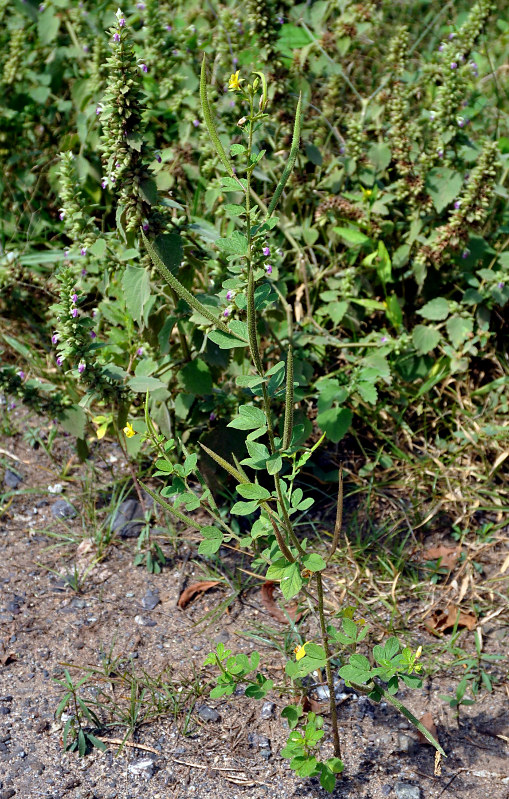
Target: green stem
(328, 669)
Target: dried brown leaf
(447, 556)
(194, 589)
(427, 721)
(267, 598)
(442, 620)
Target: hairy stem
(328, 669)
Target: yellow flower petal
(300, 651)
(128, 430)
(234, 82)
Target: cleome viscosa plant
(275, 457)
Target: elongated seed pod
(251, 323)
(288, 426)
(226, 466)
(209, 122)
(294, 149)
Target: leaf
(168, 247)
(194, 590)
(447, 556)
(436, 310)
(74, 421)
(136, 288)
(425, 338)
(236, 244)
(141, 385)
(314, 562)
(443, 620)
(335, 423)
(368, 392)
(291, 582)
(352, 236)
(427, 721)
(244, 508)
(196, 377)
(212, 540)
(267, 600)
(443, 185)
(253, 491)
(48, 24)
(249, 418)
(234, 210)
(380, 156)
(225, 341)
(459, 330)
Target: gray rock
(7, 793)
(145, 621)
(385, 790)
(222, 637)
(142, 768)
(151, 599)
(258, 741)
(12, 479)
(129, 519)
(267, 710)
(208, 713)
(404, 790)
(61, 509)
(405, 743)
(77, 602)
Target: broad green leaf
(291, 582)
(225, 341)
(436, 310)
(425, 338)
(459, 330)
(353, 236)
(74, 421)
(314, 562)
(141, 385)
(335, 423)
(212, 540)
(274, 464)
(253, 491)
(236, 244)
(196, 377)
(48, 24)
(368, 392)
(234, 210)
(443, 185)
(136, 288)
(244, 508)
(249, 418)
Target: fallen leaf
(446, 556)
(427, 721)
(9, 657)
(193, 590)
(443, 620)
(267, 597)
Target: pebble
(222, 637)
(57, 488)
(406, 743)
(385, 790)
(151, 599)
(128, 519)
(208, 713)
(78, 603)
(404, 790)
(61, 509)
(267, 710)
(260, 742)
(145, 621)
(12, 479)
(7, 793)
(142, 768)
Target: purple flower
(196, 122)
(139, 352)
(145, 226)
(104, 183)
(281, 20)
(74, 298)
(83, 251)
(74, 313)
(144, 67)
(140, 6)
(232, 103)
(21, 374)
(117, 165)
(61, 215)
(500, 285)
(457, 204)
(454, 65)
(227, 312)
(465, 254)
(116, 37)
(440, 153)
(383, 339)
(158, 158)
(42, 7)
(451, 36)
(266, 250)
(60, 361)
(235, 61)
(268, 269)
(81, 368)
(212, 416)
(121, 22)
(168, 28)
(94, 312)
(92, 334)
(83, 272)
(54, 338)
(441, 48)
(66, 253)
(98, 110)
(85, 48)
(432, 115)
(11, 406)
(230, 295)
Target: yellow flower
(234, 82)
(300, 651)
(128, 430)
(418, 653)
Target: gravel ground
(229, 748)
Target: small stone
(42, 726)
(208, 713)
(12, 479)
(7, 793)
(145, 621)
(404, 790)
(128, 521)
(151, 599)
(61, 509)
(142, 768)
(57, 488)
(258, 741)
(406, 743)
(385, 790)
(267, 710)
(77, 602)
(222, 637)
(72, 783)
